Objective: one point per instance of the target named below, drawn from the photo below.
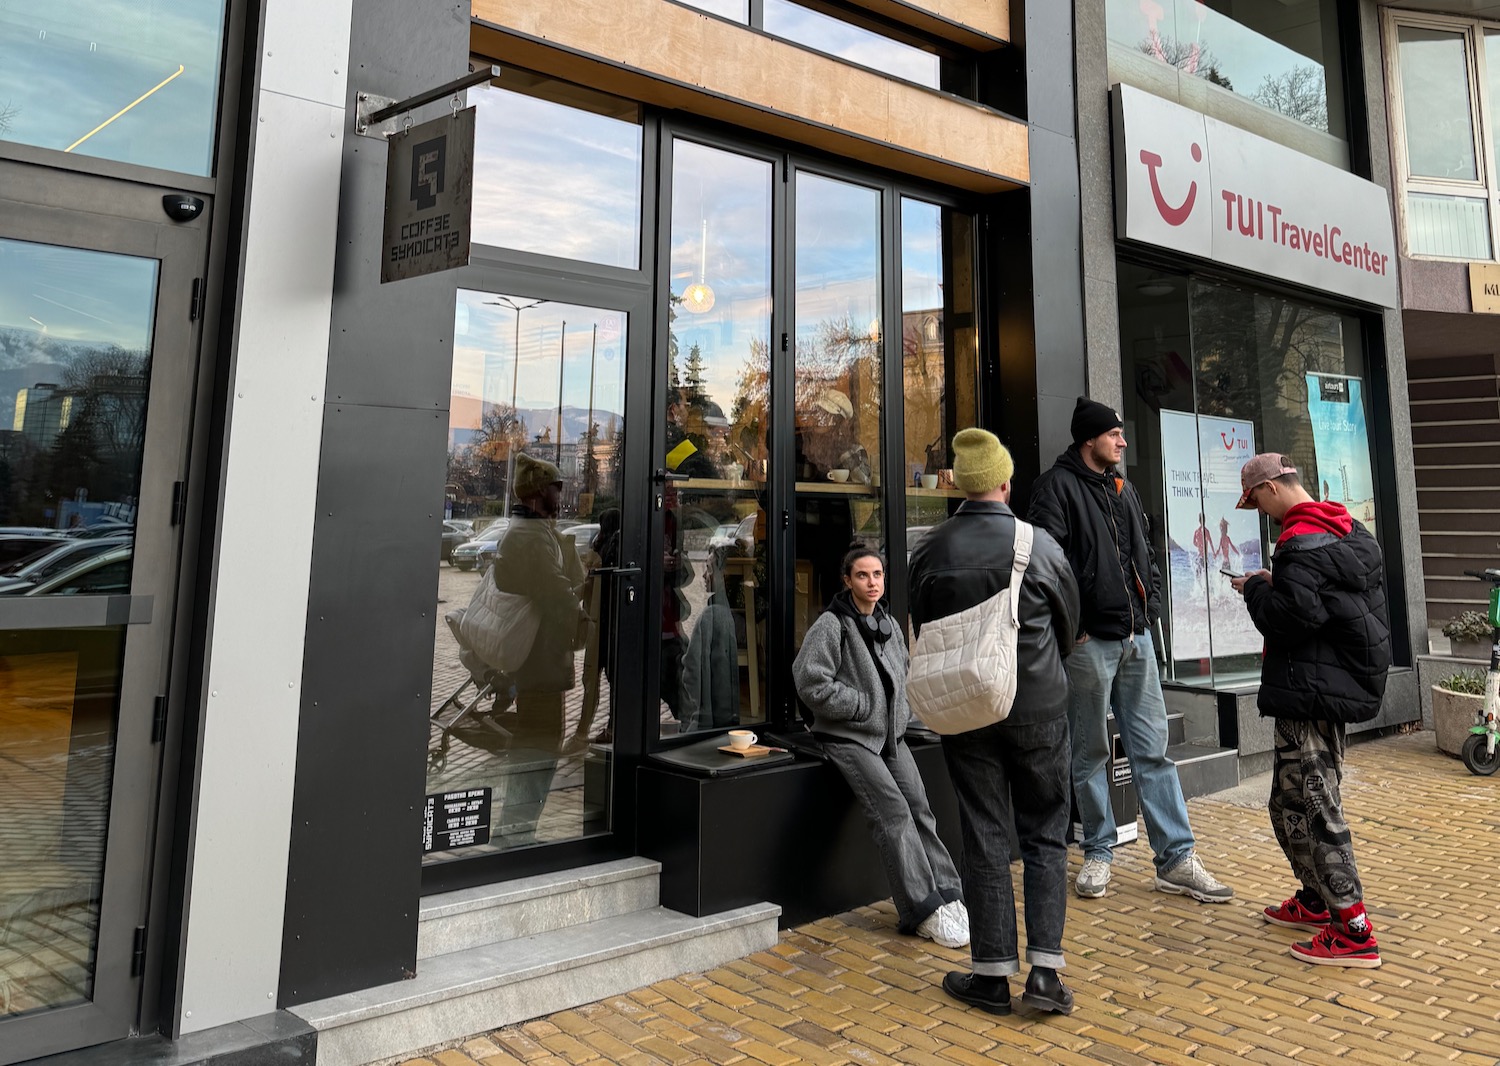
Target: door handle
(663, 475)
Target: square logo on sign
(429, 161)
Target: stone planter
(1452, 715)
(1470, 649)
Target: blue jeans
(1000, 771)
(1124, 673)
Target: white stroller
(471, 725)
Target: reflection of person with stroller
(533, 561)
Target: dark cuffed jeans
(998, 770)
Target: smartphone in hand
(1230, 573)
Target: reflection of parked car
(107, 573)
(22, 575)
(455, 532)
(583, 536)
(740, 537)
(22, 545)
(480, 551)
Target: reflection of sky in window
(738, 10)
(1435, 98)
(921, 256)
(484, 363)
(54, 298)
(850, 42)
(556, 180)
(838, 252)
(732, 194)
(1243, 56)
(67, 66)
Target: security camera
(180, 208)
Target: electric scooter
(1479, 751)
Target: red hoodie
(1315, 517)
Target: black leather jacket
(966, 560)
(1100, 523)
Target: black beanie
(1091, 419)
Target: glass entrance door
(97, 346)
(531, 676)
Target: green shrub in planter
(1455, 701)
(1467, 628)
(1467, 682)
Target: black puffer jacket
(966, 560)
(1328, 640)
(1099, 521)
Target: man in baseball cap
(1322, 611)
(1268, 466)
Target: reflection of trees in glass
(1298, 93)
(8, 113)
(1190, 57)
(480, 469)
(1253, 353)
(748, 415)
(92, 445)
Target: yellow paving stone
(480, 1048)
(812, 1033)
(831, 1022)
(766, 1053)
(453, 1058)
(952, 1034)
(569, 1047)
(884, 1043)
(713, 1050)
(812, 1053)
(666, 1050)
(678, 992)
(519, 1044)
(610, 1047)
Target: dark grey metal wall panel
(354, 880)
(392, 344)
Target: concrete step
(489, 914)
(485, 987)
(1176, 729)
(1203, 770)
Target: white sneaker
(1093, 878)
(1189, 878)
(946, 927)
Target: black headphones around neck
(878, 625)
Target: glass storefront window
(939, 355)
(557, 171)
(535, 447)
(76, 330)
(1217, 373)
(59, 691)
(839, 398)
(1281, 57)
(844, 40)
(136, 82)
(716, 588)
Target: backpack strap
(1018, 569)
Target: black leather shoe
(990, 994)
(1045, 991)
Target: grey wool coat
(839, 682)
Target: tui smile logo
(1173, 216)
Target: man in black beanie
(1097, 517)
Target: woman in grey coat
(851, 672)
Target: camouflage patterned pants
(1307, 814)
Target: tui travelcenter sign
(1199, 186)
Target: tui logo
(1173, 216)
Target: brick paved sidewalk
(1158, 978)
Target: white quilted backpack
(963, 669)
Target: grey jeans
(891, 794)
(998, 772)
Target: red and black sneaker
(1334, 947)
(1294, 914)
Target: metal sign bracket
(381, 117)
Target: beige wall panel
(979, 24)
(666, 54)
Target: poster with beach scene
(1202, 456)
(1342, 446)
